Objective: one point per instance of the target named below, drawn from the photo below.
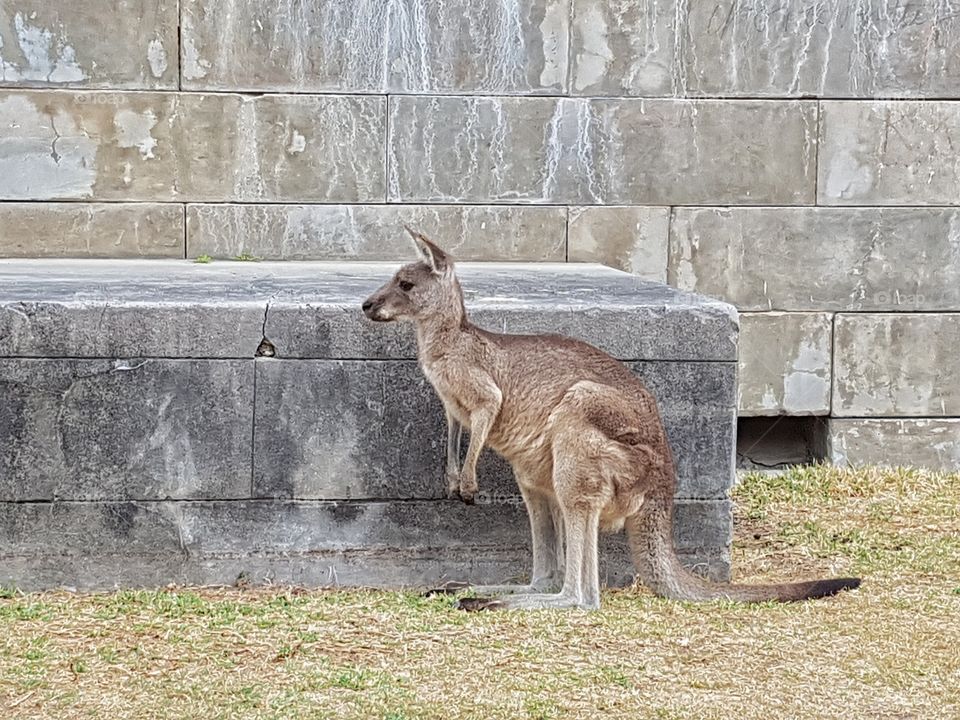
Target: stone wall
(795, 158)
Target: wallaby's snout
(372, 306)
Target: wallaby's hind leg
(544, 535)
(582, 527)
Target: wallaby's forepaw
(451, 587)
(477, 604)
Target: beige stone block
(828, 48)
(897, 365)
(375, 232)
(94, 230)
(191, 147)
(624, 47)
(889, 153)
(601, 152)
(628, 238)
(785, 363)
(819, 258)
(924, 443)
(89, 43)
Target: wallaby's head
(424, 289)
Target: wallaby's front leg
(454, 434)
(484, 408)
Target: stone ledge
(131, 308)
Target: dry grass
(889, 650)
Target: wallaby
(582, 433)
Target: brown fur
(581, 432)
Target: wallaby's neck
(440, 332)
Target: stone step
(137, 389)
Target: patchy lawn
(888, 650)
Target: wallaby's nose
(367, 304)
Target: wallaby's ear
(428, 252)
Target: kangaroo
(582, 434)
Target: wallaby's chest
(446, 388)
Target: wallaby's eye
(406, 286)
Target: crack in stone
(56, 137)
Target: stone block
(818, 258)
(371, 46)
(483, 46)
(889, 153)
(64, 44)
(924, 443)
(833, 48)
(323, 46)
(785, 363)
(91, 230)
(374, 232)
(902, 365)
(577, 151)
(106, 545)
(118, 429)
(191, 147)
(624, 47)
(387, 438)
(633, 239)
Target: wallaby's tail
(650, 533)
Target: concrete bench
(165, 421)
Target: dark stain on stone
(121, 517)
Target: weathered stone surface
(65, 44)
(387, 438)
(325, 45)
(91, 230)
(910, 366)
(624, 47)
(834, 48)
(819, 258)
(193, 147)
(567, 150)
(104, 545)
(913, 443)
(889, 153)
(785, 361)
(374, 232)
(371, 46)
(633, 239)
(115, 429)
(478, 46)
(125, 308)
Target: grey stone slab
(91, 230)
(116, 429)
(633, 239)
(903, 365)
(105, 545)
(325, 45)
(889, 153)
(819, 258)
(832, 48)
(191, 147)
(335, 430)
(625, 47)
(577, 151)
(486, 46)
(925, 443)
(785, 363)
(67, 44)
(120, 308)
(374, 232)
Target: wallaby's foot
(476, 604)
(451, 587)
(468, 488)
